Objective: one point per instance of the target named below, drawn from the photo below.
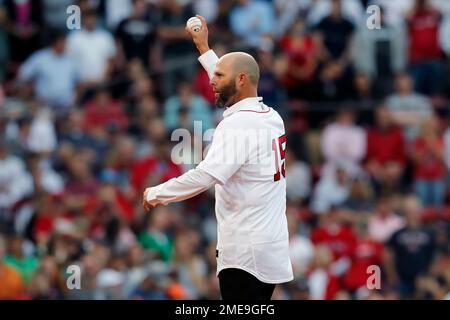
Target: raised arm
(197, 180)
(208, 58)
(200, 37)
(208, 173)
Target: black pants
(237, 284)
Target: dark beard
(226, 95)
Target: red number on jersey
(280, 148)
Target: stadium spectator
(47, 282)
(14, 184)
(176, 47)
(366, 96)
(334, 33)
(384, 222)
(23, 262)
(190, 267)
(298, 179)
(81, 184)
(301, 247)
(302, 52)
(209, 9)
(361, 195)
(104, 113)
(351, 9)
(269, 86)
(185, 108)
(338, 235)
(25, 22)
(53, 74)
(155, 237)
(429, 165)
(11, 283)
(153, 133)
(41, 137)
(386, 152)
(43, 176)
(93, 50)
(366, 253)
(252, 21)
(114, 12)
(343, 141)
(408, 107)
(384, 51)
(410, 250)
(137, 35)
(332, 189)
(425, 53)
(322, 283)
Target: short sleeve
(30, 68)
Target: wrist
(203, 49)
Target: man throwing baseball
(252, 247)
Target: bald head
(242, 62)
(235, 77)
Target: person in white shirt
(343, 141)
(14, 185)
(93, 50)
(253, 242)
(384, 222)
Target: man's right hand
(148, 204)
(200, 38)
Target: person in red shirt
(335, 233)
(51, 215)
(81, 184)
(425, 53)
(104, 112)
(428, 164)
(367, 252)
(386, 153)
(302, 54)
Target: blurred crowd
(86, 118)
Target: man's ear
(241, 78)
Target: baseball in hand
(194, 23)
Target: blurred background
(86, 118)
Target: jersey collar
(253, 103)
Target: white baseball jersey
(251, 198)
(246, 158)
